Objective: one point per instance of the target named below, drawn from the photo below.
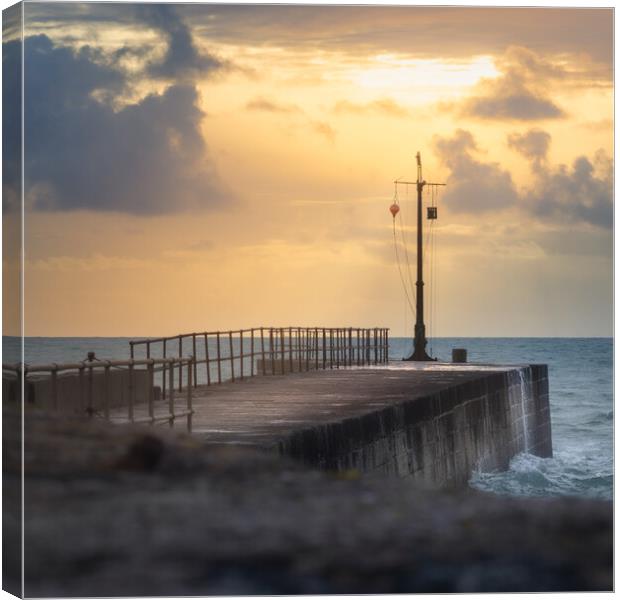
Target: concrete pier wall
(441, 438)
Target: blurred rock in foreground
(127, 511)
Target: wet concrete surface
(262, 411)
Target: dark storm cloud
(580, 194)
(520, 92)
(473, 186)
(182, 59)
(146, 158)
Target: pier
(435, 424)
(329, 398)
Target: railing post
(195, 363)
(382, 337)
(130, 398)
(350, 349)
(163, 374)
(190, 367)
(316, 347)
(375, 342)
(90, 389)
(271, 351)
(148, 350)
(131, 349)
(207, 362)
(262, 348)
(171, 393)
(241, 354)
(180, 365)
(387, 345)
(151, 398)
(337, 348)
(324, 349)
(106, 390)
(282, 348)
(251, 352)
(290, 348)
(232, 356)
(219, 358)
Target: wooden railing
(117, 390)
(230, 355)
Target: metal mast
(419, 339)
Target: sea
(580, 388)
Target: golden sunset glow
(306, 116)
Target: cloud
(580, 194)
(534, 145)
(577, 194)
(520, 92)
(262, 104)
(321, 128)
(147, 158)
(182, 59)
(450, 32)
(324, 129)
(473, 186)
(385, 106)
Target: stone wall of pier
(439, 439)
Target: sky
(201, 167)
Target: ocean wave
(530, 475)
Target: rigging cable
(400, 271)
(412, 287)
(395, 209)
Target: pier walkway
(436, 422)
(263, 410)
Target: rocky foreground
(113, 510)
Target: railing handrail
(95, 364)
(275, 349)
(141, 341)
